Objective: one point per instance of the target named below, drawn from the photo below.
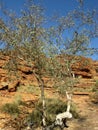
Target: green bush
(35, 117)
(53, 107)
(95, 87)
(94, 96)
(96, 84)
(11, 108)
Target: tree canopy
(26, 37)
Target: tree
(23, 40)
(52, 51)
(69, 38)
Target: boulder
(4, 86)
(84, 68)
(13, 86)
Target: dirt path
(89, 115)
(91, 119)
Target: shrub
(95, 88)
(53, 107)
(11, 108)
(35, 117)
(29, 89)
(94, 96)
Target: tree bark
(41, 85)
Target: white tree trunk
(67, 113)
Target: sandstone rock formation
(85, 68)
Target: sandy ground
(87, 110)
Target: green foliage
(11, 108)
(24, 37)
(96, 84)
(94, 96)
(95, 88)
(53, 107)
(74, 111)
(62, 86)
(17, 99)
(36, 117)
(29, 89)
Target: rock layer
(84, 68)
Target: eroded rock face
(13, 86)
(84, 68)
(4, 85)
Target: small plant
(95, 87)
(11, 108)
(96, 84)
(18, 99)
(35, 117)
(29, 89)
(53, 107)
(94, 96)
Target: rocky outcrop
(84, 68)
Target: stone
(84, 68)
